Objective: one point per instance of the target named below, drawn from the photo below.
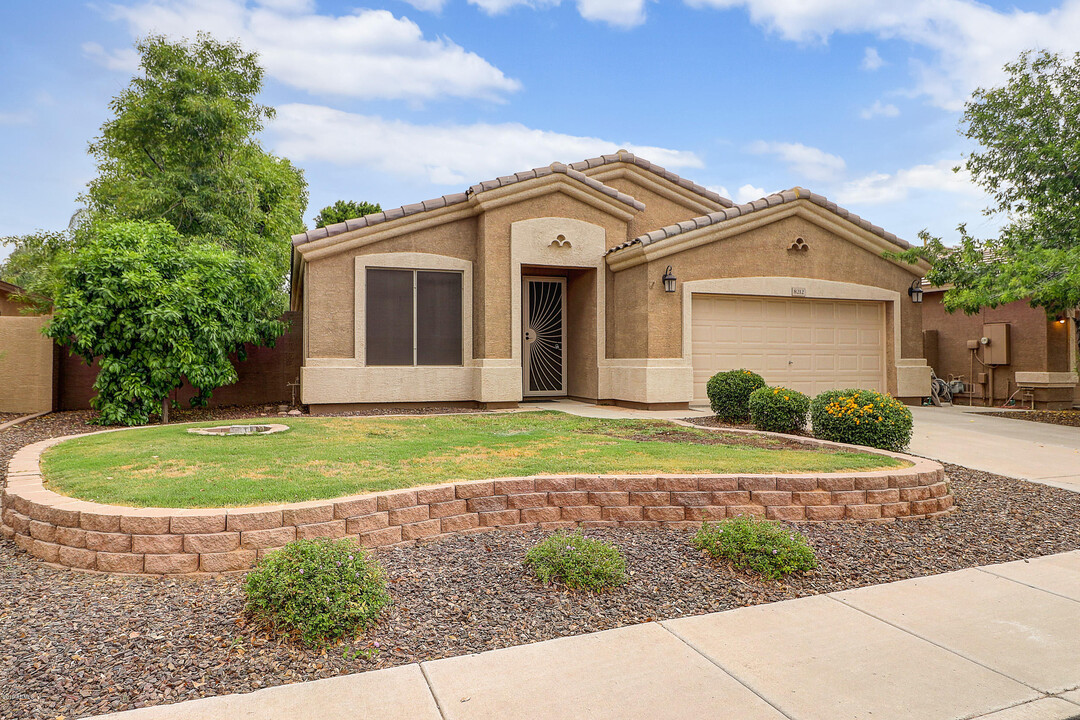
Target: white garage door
(807, 345)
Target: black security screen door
(545, 336)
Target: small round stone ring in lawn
(239, 430)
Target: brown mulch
(1070, 418)
(78, 644)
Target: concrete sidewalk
(1040, 452)
(1000, 643)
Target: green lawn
(322, 458)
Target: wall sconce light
(669, 280)
(1061, 320)
(915, 292)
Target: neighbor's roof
(456, 198)
(773, 200)
(623, 156)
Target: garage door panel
(807, 344)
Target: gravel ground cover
(1053, 417)
(75, 644)
(8, 416)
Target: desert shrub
(577, 562)
(729, 393)
(861, 417)
(778, 409)
(766, 547)
(318, 590)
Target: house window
(413, 317)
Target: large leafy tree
(156, 308)
(344, 210)
(1028, 132)
(182, 147)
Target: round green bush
(766, 547)
(318, 590)
(577, 562)
(778, 409)
(729, 393)
(861, 417)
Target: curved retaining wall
(163, 541)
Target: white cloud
(19, 117)
(748, 192)
(970, 41)
(122, 60)
(879, 109)
(879, 188)
(620, 13)
(427, 5)
(809, 162)
(871, 59)
(368, 53)
(440, 154)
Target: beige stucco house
(611, 280)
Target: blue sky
(395, 102)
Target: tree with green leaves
(344, 210)
(182, 147)
(156, 308)
(1028, 132)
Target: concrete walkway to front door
(999, 643)
(1040, 452)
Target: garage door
(808, 345)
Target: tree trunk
(165, 410)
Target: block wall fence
(159, 541)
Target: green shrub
(778, 409)
(766, 547)
(320, 590)
(729, 393)
(861, 417)
(577, 562)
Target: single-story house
(1013, 351)
(611, 280)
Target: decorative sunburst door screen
(544, 320)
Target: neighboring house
(610, 280)
(1028, 357)
(27, 358)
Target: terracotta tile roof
(631, 158)
(456, 198)
(773, 200)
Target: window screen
(413, 309)
(389, 316)
(438, 318)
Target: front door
(544, 343)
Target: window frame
(415, 345)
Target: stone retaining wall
(160, 541)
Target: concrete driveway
(1048, 454)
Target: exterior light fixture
(915, 292)
(669, 280)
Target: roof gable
(464, 197)
(622, 156)
(774, 200)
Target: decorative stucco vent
(799, 245)
(240, 430)
(561, 241)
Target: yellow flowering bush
(729, 393)
(861, 417)
(778, 409)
